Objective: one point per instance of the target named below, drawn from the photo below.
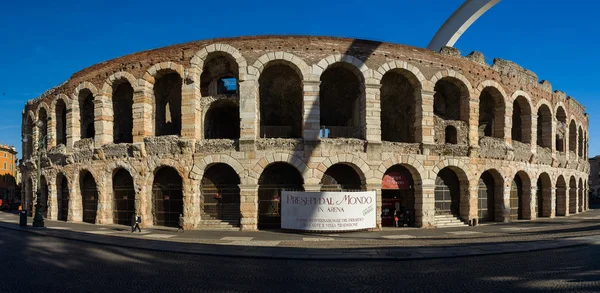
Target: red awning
(395, 180)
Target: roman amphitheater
(215, 130)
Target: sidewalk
(397, 244)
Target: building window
(5, 166)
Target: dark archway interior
(340, 96)
(447, 193)
(28, 145)
(89, 196)
(561, 197)
(275, 178)
(399, 201)
(221, 193)
(486, 198)
(491, 113)
(122, 100)
(451, 135)
(543, 195)
(447, 99)
(167, 93)
(544, 127)
(219, 75)
(516, 199)
(341, 177)
(167, 193)
(44, 196)
(397, 108)
(61, 122)
(572, 196)
(43, 116)
(62, 187)
(581, 154)
(86, 114)
(222, 120)
(281, 102)
(123, 198)
(572, 136)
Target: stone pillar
(508, 124)
(424, 122)
(191, 204)
(33, 195)
(311, 111)
(103, 121)
(143, 124)
(73, 123)
(104, 213)
(503, 212)
(553, 140)
(567, 198)
(533, 202)
(143, 202)
(425, 205)
(75, 202)
(472, 119)
(577, 200)
(249, 207)
(191, 113)
(468, 201)
(533, 133)
(552, 208)
(249, 118)
(51, 129)
(372, 113)
(52, 200)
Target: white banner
(328, 211)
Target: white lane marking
(237, 238)
(253, 243)
(317, 239)
(463, 232)
(159, 236)
(398, 236)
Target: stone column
(249, 207)
(372, 113)
(508, 124)
(311, 111)
(75, 202)
(424, 122)
(468, 201)
(425, 205)
(567, 199)
(533, 132)
(533, 203)
(191, 114)
(503, 212)
(73, 123)
(33, 195)
(51, 129)
(472, 120)
(52, 200)
(103, 121)
(143, 201)
(143, 124)
(191, 204)
(104, 213)
(577, 200)
(249, 118)
(552, 208)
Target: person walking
(396, 219)
(133, 221)
(138, 221)
(180, 223)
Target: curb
(255, 251)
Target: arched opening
(274, 179)
(544, 127)
(491, 113)
(281, 101)
(580, 143)
(544, 196)
(167, 98)
(122, 100)
(397, 197)
(43, 117)
(572, 195)
(490, 197)
(521, 201)
(398, 99)
(221, 193)
(561, 196)
(44, 196)
(123, 198)
(341, 177)
(451, 135)
(219, 75)
(61, 122)
(222, 120)
(572, 137)
(581, 201)
(342, 101)
(89, 196)
(448, 190)
(86, 114)
(28, 138)
(561, 129)
(62, 187)
(167, 194)
(521, 119)
(450, 99)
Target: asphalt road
(30, 263)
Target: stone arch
(85, 96)
(450, 73)
(44, 106)
(580, 141)
(269, 159)
(167, 184)
(88, 183)
(572, 130)
(153, 72)
(561, 196)
(86, 85)
(298, 64)
(455, 164)
(339, 168)
(561, 127)
(521, 117)
(489, 91)
(121, 165)
(544, 123)
(523, 181)
(451, 191)
(199, 57)
(414, 166)
(490, 202)
(325, 63)
(358, 164)
(544, 194)
(493, 84)
(452, 93)
(167, 79)
(415, 77)
(107, 88)
(201, 165)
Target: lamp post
(38, 219)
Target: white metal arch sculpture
(459, 22)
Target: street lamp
(38, 219)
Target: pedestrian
(396, 219)
(133, 221)
(180, 223)
(138, 221)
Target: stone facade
(182, 114)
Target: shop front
(397, 198)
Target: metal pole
(38, 219)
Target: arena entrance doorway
(221, 192)
(276, 178)
(397, 197)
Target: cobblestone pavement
(32, 263)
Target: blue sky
(44, 42)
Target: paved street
(33, 263)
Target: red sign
(395, 180)
(166, 197)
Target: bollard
(23, 218)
